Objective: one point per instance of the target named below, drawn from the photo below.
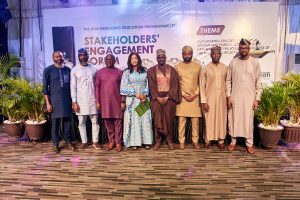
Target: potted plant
(292, 126)
(271, 107)
(11, 101)
(34, 107)
(7, 62)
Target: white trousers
(82, 127)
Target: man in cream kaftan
(243, 92)
(213, 99)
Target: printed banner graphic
(122, 29)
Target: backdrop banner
(122, 29)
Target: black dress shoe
(71, 147)
(55, 149)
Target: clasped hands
(162, 100)
(189, 97)
(141, 97)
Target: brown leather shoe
(196, 145)
(207, 145)
(250, 150)
(181, 146)
(231, 147)
(156, 146)
(221, 147)
(110, 146)
(119, 147)
(83, 146)
(171, 146)
(96, 145)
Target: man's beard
(243, 55)
(59, 63)
(187, 59)
(163, 63)
(83, 61)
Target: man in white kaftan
(83, 97)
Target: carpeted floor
(30, 171)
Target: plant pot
(35, 131)
(269, 137)
(15, 130)
(291, 131)
(291, 134)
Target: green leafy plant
(33, 95)
(273, 104)
(21, 100)
(6, 63)
(292, 83)
(12, 100)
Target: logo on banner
(211, 30)
(266, 75)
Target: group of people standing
(139, 106)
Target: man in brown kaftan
(165, 94)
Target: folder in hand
(142, 108)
